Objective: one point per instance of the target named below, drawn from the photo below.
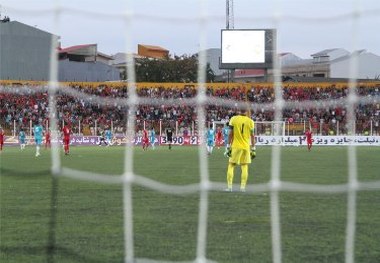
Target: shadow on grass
(47, 252)
(18, 173)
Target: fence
(332, 128)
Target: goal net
(270, 128)
(127, 103)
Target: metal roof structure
(83, 50)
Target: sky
(303, 27)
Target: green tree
(178, 69)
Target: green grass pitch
(89, 216)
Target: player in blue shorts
(152, 137)
(210, 135)
(38, 133)
(22, 139)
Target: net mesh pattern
(200, 102)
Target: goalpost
(262, 128)
(218, 124)
(270, 128)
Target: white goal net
(130, 101)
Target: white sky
(180, 34)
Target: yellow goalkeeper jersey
(242, 127)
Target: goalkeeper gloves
(253, 152)
(227, 153)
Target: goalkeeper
(240, 148)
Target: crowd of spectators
(33, 106)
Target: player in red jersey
(47, 139)
(219, 137)
(2, 135)
(309, 141)
(66, 138)
(145, 140)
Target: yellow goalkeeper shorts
(240, 156)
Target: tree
(178, 69)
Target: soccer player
(226, 132)
(38, 132)
(169, 137)
(66, 131)
(2, 135)
(219, 137)
(210, 140)
(47, 139)
(145, 140)
(309, 141)
(22, 139)
(108, 134)
(152, 137)
(102, 138)
(241, 148)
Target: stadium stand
(21, 109)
